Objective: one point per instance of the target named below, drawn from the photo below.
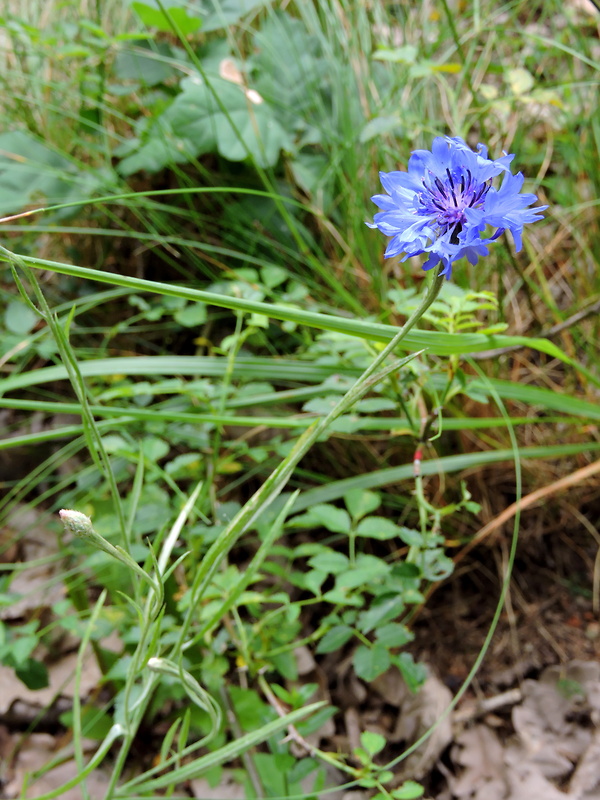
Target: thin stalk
(279, 477)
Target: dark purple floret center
(447, 198)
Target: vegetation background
(190, 286)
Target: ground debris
(553, 752)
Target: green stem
(279, 477)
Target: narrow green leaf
(440, 343)
(228, 752)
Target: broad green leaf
(224, 13)
(151, 14)
(313, 580)
(370, 662)
(437, 565)
(414, 674)
(273, 276)
(382, 610)
(291, 74)
(19, 318)
(410, 790)
(334, 519)
(147, 64)
(367, 569)
(203, 119)
(410, 537)
(154, 448)
(250, 710)
(360, 503)
(335, 638)
(95, 723)
(372, 405)
(378, 528)
(310, 173)
(341, 596)
(394, 635)
(33, 673)
(329, 562)
(192, 315)
(22, 647)
(29, 171)
(372, 742)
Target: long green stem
(279, 477)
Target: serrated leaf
(370, 662)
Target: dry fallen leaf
(479, 752)
(61, 676)
(419, 713)
(556, 736)
(37, 750)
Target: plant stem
(279, 477)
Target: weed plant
(190, 294)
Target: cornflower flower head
(445, 201)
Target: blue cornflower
(445, 201)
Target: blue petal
(417, 225)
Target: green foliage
(212, 162)
(16, 651)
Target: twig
(471, 711)
(563, 483)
